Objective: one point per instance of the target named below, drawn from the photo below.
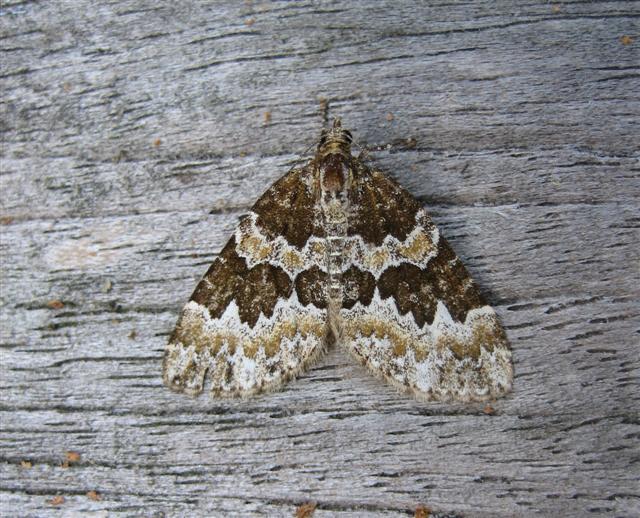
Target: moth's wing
(257, 317)
(411, 312)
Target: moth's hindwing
(418, 321)
(258, 315)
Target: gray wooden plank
(133, 137)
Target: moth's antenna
(307, 150)
(301, 157)
(364, 151)
(356, 143)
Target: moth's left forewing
(411, 312)
(257, 317)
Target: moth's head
(335, 140)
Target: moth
(336, 253)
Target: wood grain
(134, 135)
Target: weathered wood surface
(134, 135)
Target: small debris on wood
(133, 334)
(249, 22)
(157, 142)
(488, 409)
(6, 220)
(25, 464)
(626, 40)
(57, 500)
(55, 304)
(267, 118)
(72, 456)
(94, 495)
(306, 510)
(120, 156)
(422, 511)
(389, 117)
(106, 286)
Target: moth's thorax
(334, 176)
(333, 159)
(334, 171)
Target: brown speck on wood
(389, 117)
(57, 500)
(489, 410)
(249, 22)
(94, 495)
(133, 334)
(66, 86)
(267, 117)
(25, 464)
(555, 8)
(157, 142)
(6, 220)
(626, 40)
(72, 456)
(55, 304)
(306, 510)
(422, 511)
